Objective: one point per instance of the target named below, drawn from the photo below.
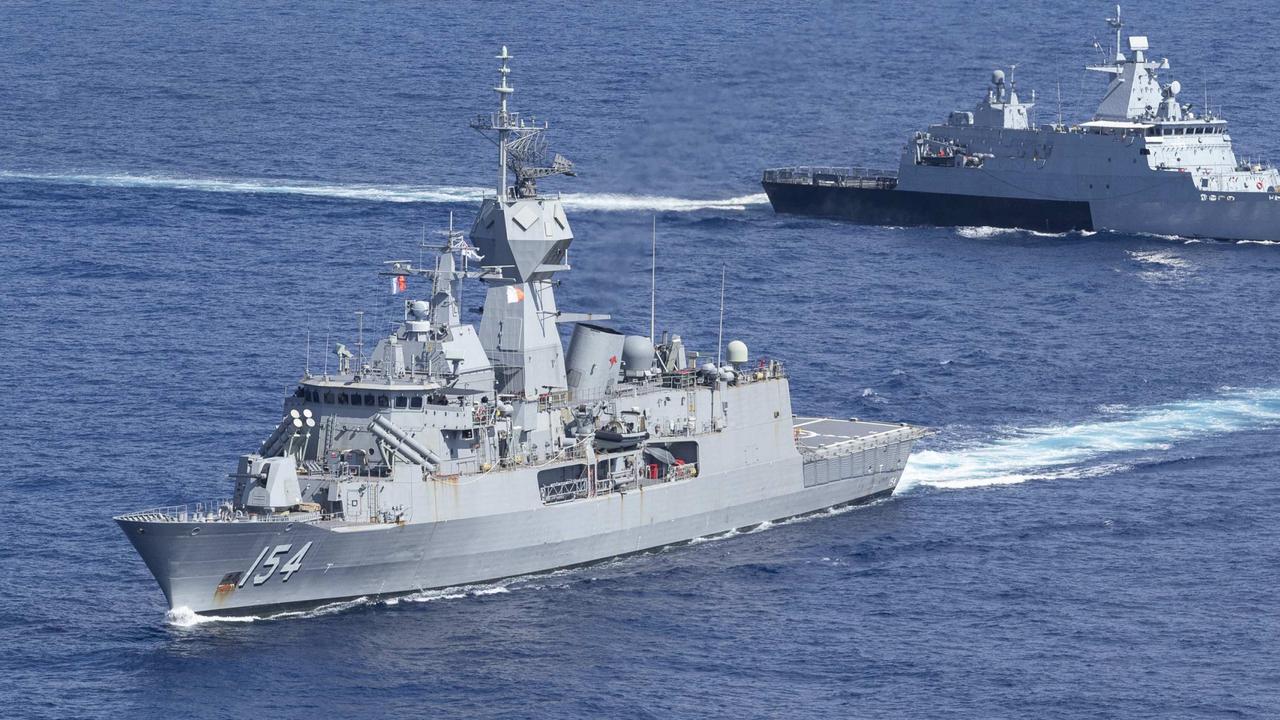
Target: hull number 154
(269, 560)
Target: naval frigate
(1146, 163)
(452, 454)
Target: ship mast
(502, 121)
(524, 238)
(1118, 25)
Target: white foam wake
(1092, 448)
(185, 617)
(982, 232)
(605, 202)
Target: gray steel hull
(389, 559)
(1171, 208)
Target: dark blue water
(190, 192)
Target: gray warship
(452, 455)
(1146, 163)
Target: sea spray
(1090, 448)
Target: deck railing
(853, 445)
(855, 177)
(217, 511)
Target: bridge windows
(402, 401)
(342, 398)
(415, 402)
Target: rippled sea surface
(188, 194)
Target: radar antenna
(525, 154)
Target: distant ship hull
(219, 568)
(1167, 204)
(874, 206)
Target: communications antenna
(653, 280)
(720, 336)
(522, 149)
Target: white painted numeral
(269, 566)
(245, 577)
(295, 563)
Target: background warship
(452, 455)
(1145, 163)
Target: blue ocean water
(191, 193)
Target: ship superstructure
(451, 454)
(1147, 162)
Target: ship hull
(875, 206)
(215, 571)
(1171, 207)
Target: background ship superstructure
(1149, 161)
(450, 455)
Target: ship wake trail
(600, 202)
(1095, 448)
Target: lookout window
(368, 400)
(342, 398)
(382, 401)
(328, 398)
(402, 401)
(416, 402)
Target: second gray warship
(1146, 163)
(454, 455)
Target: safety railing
(219, 511)
(564, 490)
(855, 177)
(869, 442)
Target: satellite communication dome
(997, 77)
